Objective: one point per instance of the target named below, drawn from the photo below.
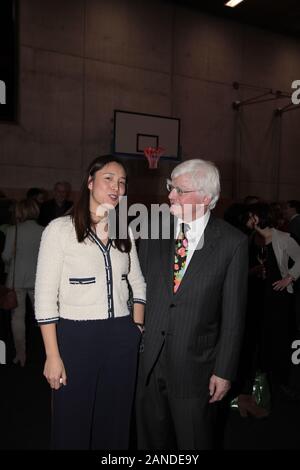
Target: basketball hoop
(153, 155)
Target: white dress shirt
(194, 233)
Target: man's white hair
(204, 175)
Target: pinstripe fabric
(202, 324)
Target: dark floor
(25, 402)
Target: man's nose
(172, 194)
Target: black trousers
(93, 410)
(165, 421)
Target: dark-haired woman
(273, 255)
(82, 305)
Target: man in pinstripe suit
(192, 337)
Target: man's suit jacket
(50, 211)
(200, 326)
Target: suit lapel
(167, 247)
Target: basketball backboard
(133, 132)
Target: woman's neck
(98, 218)
(265, 233)
(100, 225)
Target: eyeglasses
(179, 191)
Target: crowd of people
(272, 315)
(172, 330)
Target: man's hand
(218, 388)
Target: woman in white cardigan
(82, 305)
(281, 267)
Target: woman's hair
(264, 213)
(27, 209)
(237, 215)
(80, 213)
(204, 175)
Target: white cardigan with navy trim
(80, 281)
(286, 247)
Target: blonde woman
(22, 261)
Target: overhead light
(233, 3)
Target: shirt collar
(197, 226)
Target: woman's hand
(54, 371)
(283, 283)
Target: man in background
(57, 206)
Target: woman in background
(22, 263)
(273, 298)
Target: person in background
(237, 215)
(58, 206)
(292, 215)
(38, 195)
(277, 278)
(22, 263)
(82, 306)
(277, 215)
(250, 199)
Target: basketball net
(153, 155)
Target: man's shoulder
(48, 204)
(68, 204)
(227, 230)
(154, 228)
(295, 222)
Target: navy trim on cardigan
(108, 270)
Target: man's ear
(90, 183)
(207, 200)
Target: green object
(260, 391)
(233, 403)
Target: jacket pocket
(207, 341)
(82, 280)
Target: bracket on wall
(261, 98)
(288, 107)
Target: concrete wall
(81, 59)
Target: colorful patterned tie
(181, 248)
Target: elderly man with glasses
(194, 318)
